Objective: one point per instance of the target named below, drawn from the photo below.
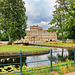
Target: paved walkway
(72, 73)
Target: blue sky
(39, 12)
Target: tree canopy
(70, 19)
(13, 18)
(64, 18)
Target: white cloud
(37, 0)
(31, 9)
(39, 12)
(27, 29)
(42, 24)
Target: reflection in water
(71, 53)
(9, 60)
(59, 53)
(38, 58)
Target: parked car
(57, 40)
(36, 41)
(47, 41)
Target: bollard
(74, 56)
(21, 62)
(51, 60)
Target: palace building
(37, 34)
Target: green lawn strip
(32, 73)
(65, 68)
(67, 44)
(17, 48)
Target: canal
(62, 52)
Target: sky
(39, 12)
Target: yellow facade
(37, 34)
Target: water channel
(64, 53)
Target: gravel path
(72, 73)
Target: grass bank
(17, 48)
(60, 70)
(67, 44)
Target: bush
(9, 43)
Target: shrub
(9, 43)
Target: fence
(51, 59)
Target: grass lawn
(17, 48)
(59, 70)
(67, 44)
(32, 73)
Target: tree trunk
(10, 38)
(62, 37)
(74, 40)
(62, 52)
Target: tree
(64, 19)
(58, 19)
(13, 18)
(4, 37)
(59, 36)
(0, 35)
(70, 19)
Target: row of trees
(64, 18)
(13, 18)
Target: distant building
(37, 34)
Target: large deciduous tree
(13, 18)
(0, 35)
(58, 19)
(70, 19)
(64, 18)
